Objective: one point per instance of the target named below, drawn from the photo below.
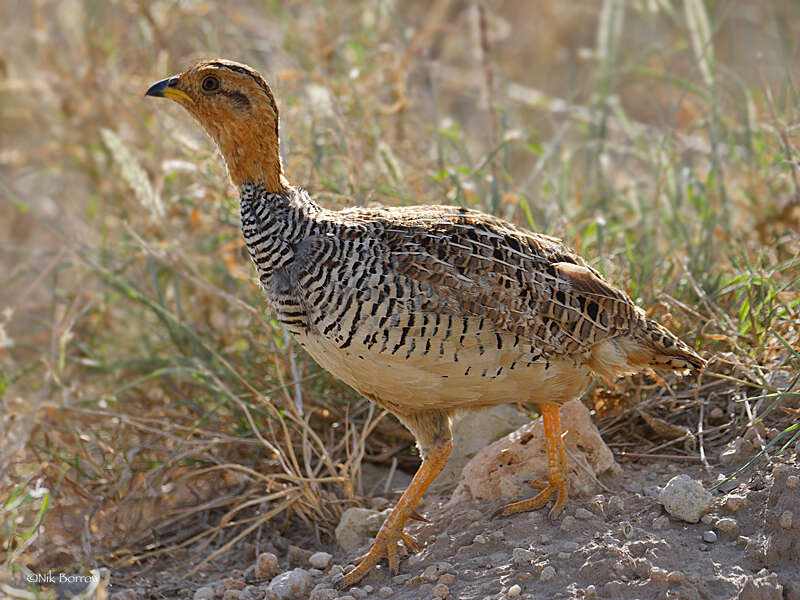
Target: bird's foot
(558, 487)
(386, 545)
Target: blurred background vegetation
(149, 401)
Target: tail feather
(668, 351)
(652, 346)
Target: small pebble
(522, 556)
(785, 520)
(320, 560)
(709, 537)
(234, 584)
(432, 573)
(728, 526)
(658, 575)
(523, 576)
(401, 579)
(447, 579)
(676, 577)
(378, 503)
(547, 574)
(735, 502)
(357, 592)
(233, 595)
(616, 506)
(685, 498)
(254, 592)
(514, 591)
(590, 592)
(568, 524)
(706, 520)
(660, 523)
(792, 481)
(544, 539)
(385, 592)
(627, 529)
(336, 571)
(480, 539)
(440, 590)
(597, 504)
(292, 584)
(634, 487)
(642, 567)
(584, 514)
(716, 415)
(267, 566)
(204, 593)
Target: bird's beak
(168, 88)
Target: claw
(409, 541)
(417, 517)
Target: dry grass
(149, 401)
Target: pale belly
(450, 377)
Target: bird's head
(236, 107)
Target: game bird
(427, 310)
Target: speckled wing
(522, 284)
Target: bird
(427, 310)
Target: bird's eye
(210, 84)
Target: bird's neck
(252, 156)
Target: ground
(619, 544)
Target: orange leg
(556, 470)
(391, 531)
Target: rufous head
(236, 107)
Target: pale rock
(735, 502)
(440, 591)
(616, 506)
(547, 574)
(205, 593)
(292, 585)
(356, 527)
(501, 471)
(320, 560)
(685, 498)
(676, 577)
(472, 432)
(522, 556)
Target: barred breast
(444, 307)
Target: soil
(621, 544)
